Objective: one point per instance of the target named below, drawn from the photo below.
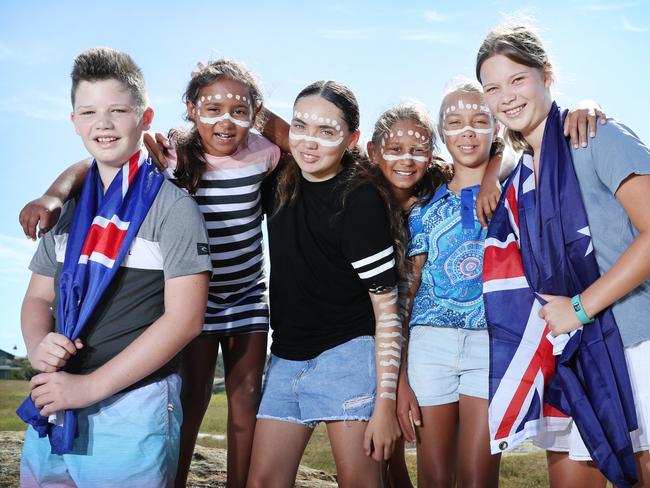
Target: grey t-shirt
(613, 155)
(171, 242)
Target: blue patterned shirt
(447, 231)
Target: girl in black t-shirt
(332, 288)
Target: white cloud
(38, 105)
(434, 16)
(626, 26)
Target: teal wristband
(580, 311)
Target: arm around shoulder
(44, 211)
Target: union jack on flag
(539, 242)
(524, 362)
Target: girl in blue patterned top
(447, 365)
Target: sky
(385, 52)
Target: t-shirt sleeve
(418, 241)
(366, 238)
(273, 156)
(44, 260)
(616, 153)
(184, 241)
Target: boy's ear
(72, 119)
(354, 139)
(370, 147)
(147, 117)
(441, 134)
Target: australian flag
(539, 242)
(103, 228)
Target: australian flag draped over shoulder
(539, 242)
(103, 228)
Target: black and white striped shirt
(229, 198)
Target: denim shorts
(338, 384)
(445, 362)
(129, 440)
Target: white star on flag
(586, 232)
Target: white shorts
(569, 440)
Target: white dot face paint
(327, 142)
(463, 105)
(455, 132)
(391, 157)
(226, 116)
(318, 140)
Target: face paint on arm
(388, 342)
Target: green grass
(517, 471)
(12, 394)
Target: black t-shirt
(326, 255)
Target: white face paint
(421, 138)
(317, 140)
(226, 116)
(455, 132)
(321, 120)
(461, 105)
(217, 98)
(391, 157)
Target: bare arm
(47, 351)
(383, 428)
(490, 192)
(185, 302)
(44, 211)
(275, 129)
(633, 267)
(630, 270)
(408, 409)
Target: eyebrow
(320, 126)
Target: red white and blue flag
(538, 242)
(104, 225)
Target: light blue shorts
(129, 440)
(338, 384)
(444, 363)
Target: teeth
(514, 111)
(404, 173)
(106, 139)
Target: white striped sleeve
(367, 239)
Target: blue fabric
(591, 382)
(338, 384)
(83, 281)
(611, 157)
(128, 440)
(447, 231)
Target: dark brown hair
(189, 149)
(438, 172)
(343, 98)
